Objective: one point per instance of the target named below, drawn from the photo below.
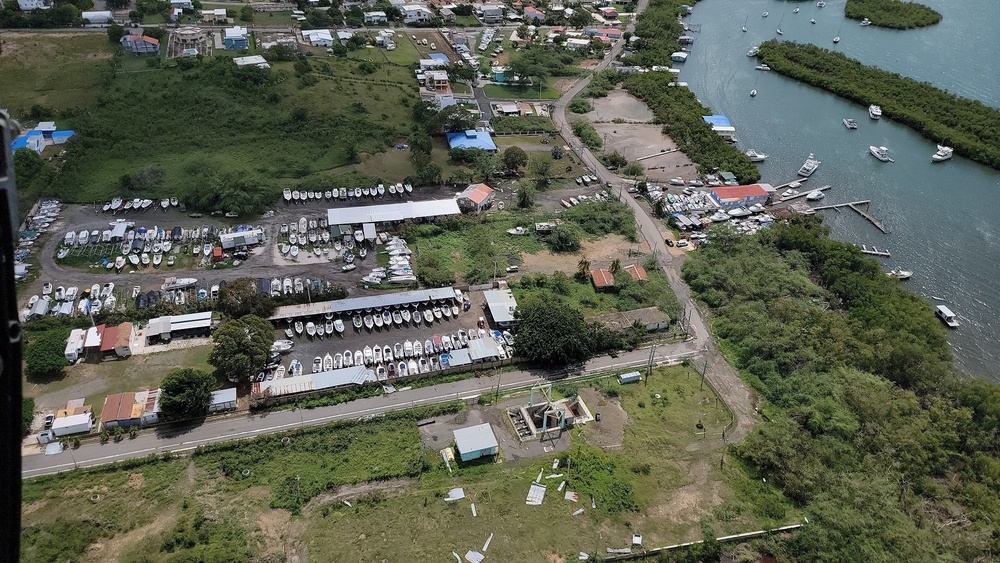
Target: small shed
(475, 442)
(630, 377)
(603, 279)
(476, 198)
(217, 254)
(223, 400)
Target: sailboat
(753, 91)
(837, 38)
(778, 31)
(745, 23)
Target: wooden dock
(803, 194)
(786, 184)
(854, 205)
(873, 251)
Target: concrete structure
(252, 60)
(223, 400)
(602, 278)
(375, 17)
(472, 139)
(392, 212)
(476, 198)
(74, 345)
(447, 15)
(731, 197)
(491, 14)
(235, 38)
(141, 44)
(501, 306)
(318, 37)
(609, 13)
(721, 125)
(475, 442)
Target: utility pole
(704, 370)
(649, 363)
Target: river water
(943, 218)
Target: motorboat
(437, 313)
(762, 66)
(739, 212)
(880, 153)
(320, 329)
(299, 286)
(317, 364)
(874, 112)
(299, 327)
(446, 311)
(865, 22)
(368, 356)
(950, 319)
(405, 314)
(899, 274)
(145, 259)
(311, 329)
(369, 323)
(809, 166)
(454, 311)
(386, 318)
(678, 181)
(411, 367)
(358, 322)
(429, 316)
(850, 123)
(408, 188)
(446, 343)
(764, 15)
(755, 208)
(282, 346)
(943, 153)
(753, 93)
(327, 362)
(295, 368)
(821, 4)
(338, 325)
(815, 195)
(756, 156)
(397, 317)
(407, 349)
(795, 11)
(348, 267)
(438, 344)
(418, 348)
(461, 338)
(83, 237)
(157, 259)
(379, 322)
(170, 260)
(348, 358)
(133, 259)
(387, 353)
(812, 21)
(565, 203)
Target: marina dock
(854, 205)
(873, 251)
(803, 194)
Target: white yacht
(815, 195)
(850, 123)
(866, 22)
(899, 274)
(943, 153)
(874, 111)
(880, 153)
(756, 156)
(809, 166)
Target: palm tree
(583, 268)
(616, 266)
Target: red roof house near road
(108, 339)
(637, 272)
(603, 279)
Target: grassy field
(253, 489)
(58, 71)
(505, 92)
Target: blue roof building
(472, 139)
(33, 140)
(721, 125)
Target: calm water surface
(943, 219)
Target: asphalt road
(248, 425)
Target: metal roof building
(223, 400)
(353, 304)
(476, 441)
(179, 325)
(471, 139)
(356, 375)
(501, 305)
(392, 212)
(483, 349)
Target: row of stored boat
(119, 205)
(297, 196)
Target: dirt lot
(609, 433)
(600, 252)
(638, 137)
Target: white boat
(418, 348)
(287, 194)
(392, 189)
(83, 237)
(327, 362)
(320, 330)
(739, 212)
(809, 166)
(387, 353)
(338, 360)
(763, 67)
(943, 153)
(358, 322)
(369, 322)
(408, 349)
(157, 259)
(408, 188)
(164, 203)
(311, 328)
(206, 249)
(397, 351)
(381, 189)
(795, 11)
(359, 358)
(377, 355)
(298, 327)
(880, 153)
(145, 259)
(405, 314)
(296, 196)
(343, 193)
(821, 4)
(282, 346)
(764, 15)
(397, 317)
(293, 251)
(412, 368)
(170, 260)
(753, 93)
(368, 355)
(379, 322)
(119, 262)
(899, 274)
(874, 112)
(815, 195)
(950, 319)
(454, 311)
(850, 123)
(386, 318)
(756, 156)
(95, 306)
(133, 259)
(866, 22)
(338, 325)
(317, 364)
(678, 181)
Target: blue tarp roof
(717, 120)
(438, 56)
(471, 139)
(60, 134)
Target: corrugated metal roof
(483, 349)
(475, 438)
(602, 278)
(501, 304)
(476, 193)
(353, 304)
(391, 212)
(223, 396)
(315, 381)
(637, 272)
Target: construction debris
(347, 503)
(578, 512)
(474, 510)
(457, 558)
(554, 476)
(457, 493)
(619, 551)
(583, 557)
(570, 495)
(561, 486)
(555, 463)
(535, 495)
(487, 544)
(474, 557)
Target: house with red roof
(603, 279)
(476, 198)
(731, 197)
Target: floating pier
(854, 205)
(874, 251)
(804, 194)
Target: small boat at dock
(755, 156)
(809, 166)
(815, 195)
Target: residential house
(427, 64)
(31, 140)
(533, 14)
(603, 32)
(415, 13)
(436, 79)
(235, 38)
(499, 74)
(375, 17)
(731, 197)
(28, 5)
(491, 14)
(141, 44)
(603, 279)
(476, 198)
(577, 43)
(252, 60)
(217, 15)
(609, 13)
(318, 37)
(447, 15)
(182, 4)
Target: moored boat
(756, 156)
(815, 195)
(881, 153)
(899, 274)
(947, 317)
(809, 166)
(943, 153)
(874, 112)
(850, 123)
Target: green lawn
(58, 71)
(505, 92)
(467, 21)
(460, 88)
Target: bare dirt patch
(111, 549)
(353, 491)
(564, 84)
(136, 481)
(687, 503)
(29, 508)
(600, 251)
(609, 433)
(589, 64)
(555, 558)
(279, 531)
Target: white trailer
(74, 424)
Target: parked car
(668, 241)
(49, 419)
(682, 243)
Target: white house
(97, 17)
(252, 60)
(182, 4)
(318, 37)
(375, 17)
(576, 43)
(28, 5)
(475, 198)
(415, 13)
(491, 14)
(427, 64)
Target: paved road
(725, 379)
(249, 425)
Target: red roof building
(476, 198)
(637, 272)
(603, 279)
(108, 339)
(728, 197)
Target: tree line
(970, 126)
(888, 451)
(893, 14)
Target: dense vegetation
(587, 134)
(681, 113)
(599, 218)
(894, 14)
(241, 347)
(890, 455)
(513, 125)
(27, 414)
(43, 352)
(553, 333)
(658, 30)
(969, 126)
(186, 393)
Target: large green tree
(241, 347)
(514, 158)
(43, 354)
(186, 393)
(240, 297)
(551, 333)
